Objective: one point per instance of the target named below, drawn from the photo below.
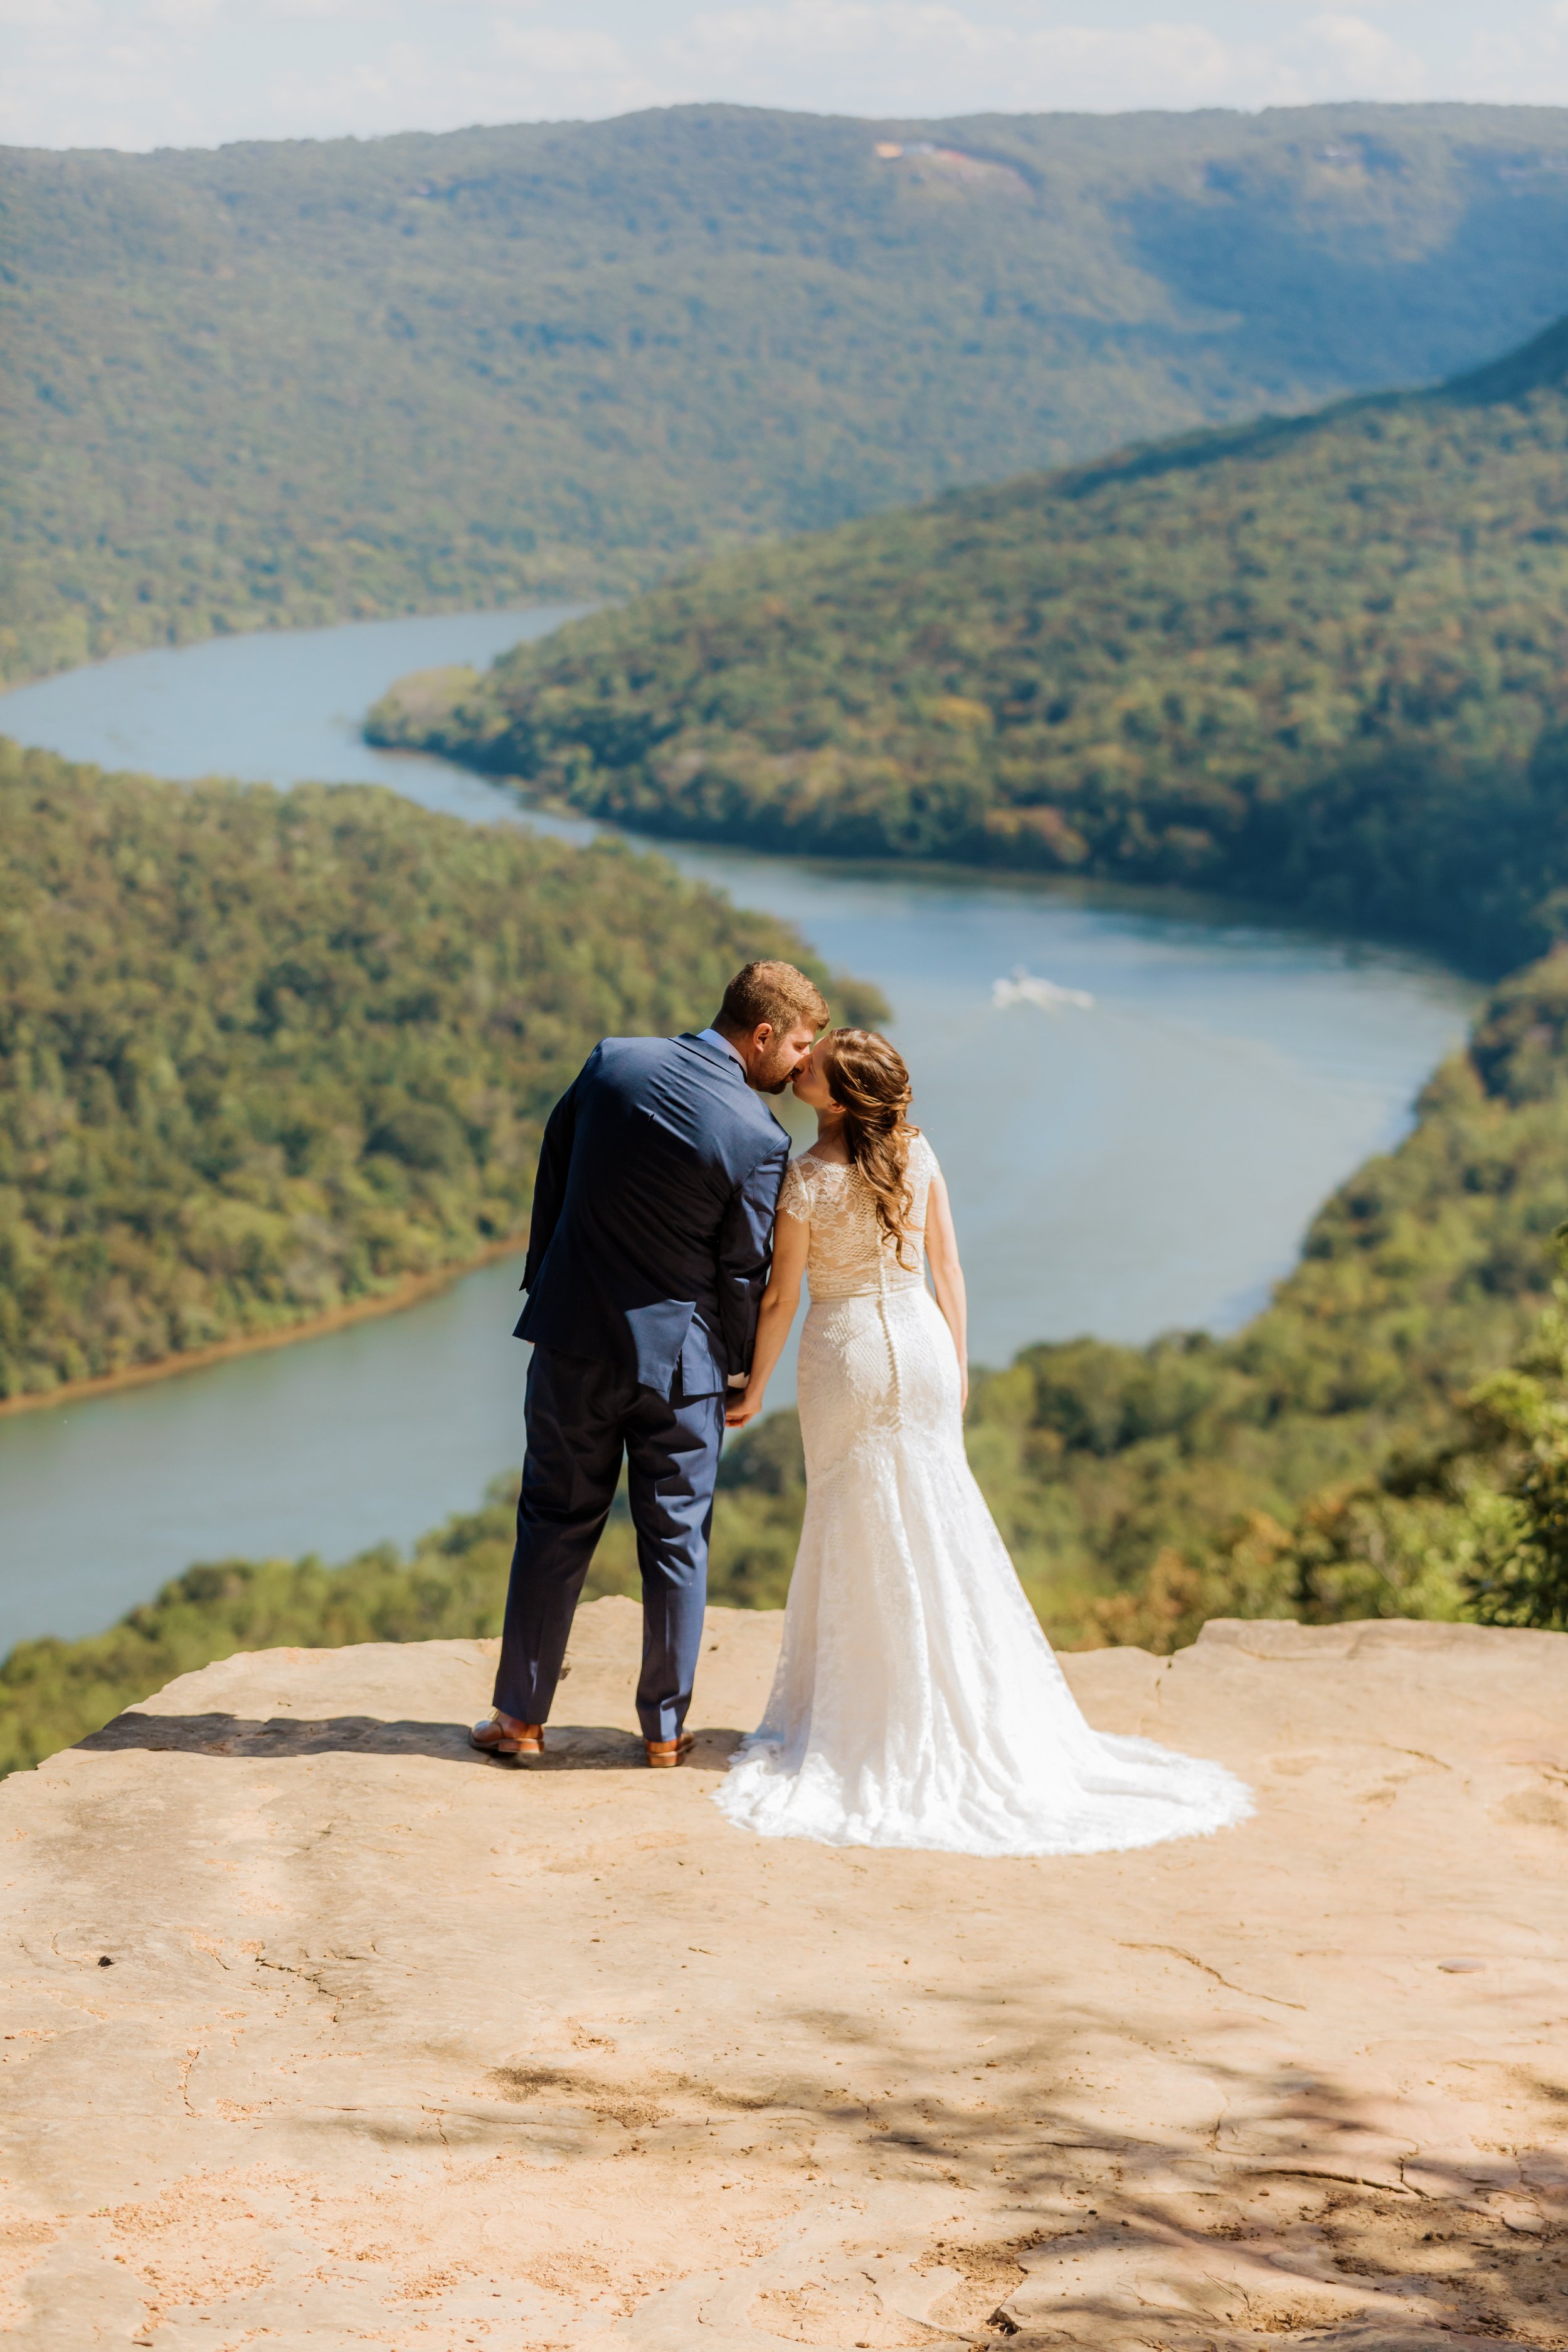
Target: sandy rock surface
(320, 2031)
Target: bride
(917, 1702)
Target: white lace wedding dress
(917, 1702)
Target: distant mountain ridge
(1322, 660)
(293, 383)
(1539, 365)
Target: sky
(149, 73)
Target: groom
(653, 1216)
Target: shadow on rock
(571, 1747)
(1295, 2211)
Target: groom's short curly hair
(774, 992)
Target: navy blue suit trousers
(582, 1414)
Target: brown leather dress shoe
(665, 1754)
(499, 1735)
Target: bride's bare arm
(947, 1274)
(774, 1316)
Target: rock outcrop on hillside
(322, 2031)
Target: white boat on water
(1023, 987)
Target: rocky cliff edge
(322, 2031)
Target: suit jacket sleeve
(550, 1182)
(745, 1254)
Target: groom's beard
(770, 1082)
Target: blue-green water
(1147, 1159)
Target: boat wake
(1023, 987)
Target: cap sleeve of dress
(794, 1193)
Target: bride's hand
(964, 1388)
(746, 1408)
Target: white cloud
(890, 56)
(926, 55)
(309, 8)
(885, 54)
(554, 49)
(61, 18)
(1357, 55)
(180, 13)
(37, 15)
(575, 73)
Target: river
(1135, 1133)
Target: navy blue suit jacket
(653, 1215)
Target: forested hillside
(1322, 1464)
(264, 1055)
(1323, 662)
(290, 382)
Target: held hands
(746, 1406)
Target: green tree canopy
(264, 1055)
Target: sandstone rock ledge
(396, 2046)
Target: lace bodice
(849, 1252)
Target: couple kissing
(916, 1702)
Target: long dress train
(917, 1702)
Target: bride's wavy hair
(867, 1080)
